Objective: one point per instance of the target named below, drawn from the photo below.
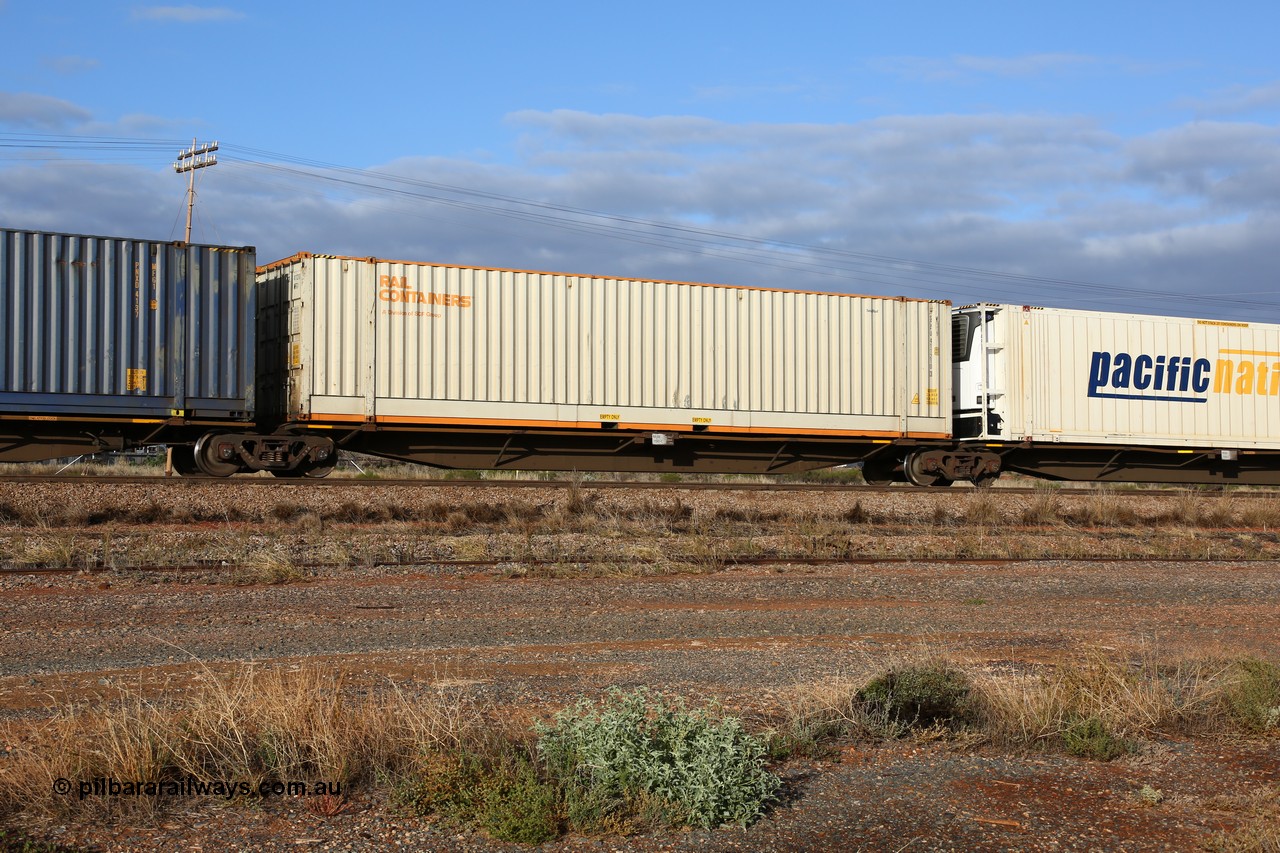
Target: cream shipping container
(479, 367)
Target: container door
(979, 373)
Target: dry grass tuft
(1220, 512)
(1103, 705)
(1261, 513)
(750, 515)
(251, 726)
(1258, 822)
(982, 509)
(1045, 508)
(858, 515)
(1099, 707)
(1105, 508)
(1129, 699)
(268, 566)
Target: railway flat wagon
(487, 368)
(108, 343)
(1086, 395)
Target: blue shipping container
(104, 326)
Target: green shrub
(501, 794)
(921, 695)
(646, 756)
(1253, 699)
(1089, 737)
(515, 805)
(446, 784)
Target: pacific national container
(1086, 377)
(103, 327)
(372, 341)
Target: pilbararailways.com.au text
(106, 786)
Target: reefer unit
(390, 343)
(121, 330)
(1085, 378)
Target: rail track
(729, 486)
(728, 562)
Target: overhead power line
(983, 283)
(941, 279)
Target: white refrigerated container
(1089, 377)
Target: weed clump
(1089, 737)
(631, 762)
(982, 509)
(643, 756)
(1253, 696)
(1045, 508)
(516, 805)
(919, 695)
(495, 787)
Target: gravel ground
(746, 636)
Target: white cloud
(24, 109)
(1181, 210)
(142, 124)
(1024, 66)
(738, 93)
(961, 67)
(69, 64)
(1232, 165)
(1237, 100)
(187, 14)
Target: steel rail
(727, 562)
(359, 483)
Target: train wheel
(917, 476)
(985, 481)
(206, 458)
(878, 472)
(324, 469)
(184, 461)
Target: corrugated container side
(1081, 376)
(103, 325)
(405, 342)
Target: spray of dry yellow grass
(1131, 698)
(250, 726)
(261, 725)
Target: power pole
(198, 156)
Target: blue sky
(1123, 156)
